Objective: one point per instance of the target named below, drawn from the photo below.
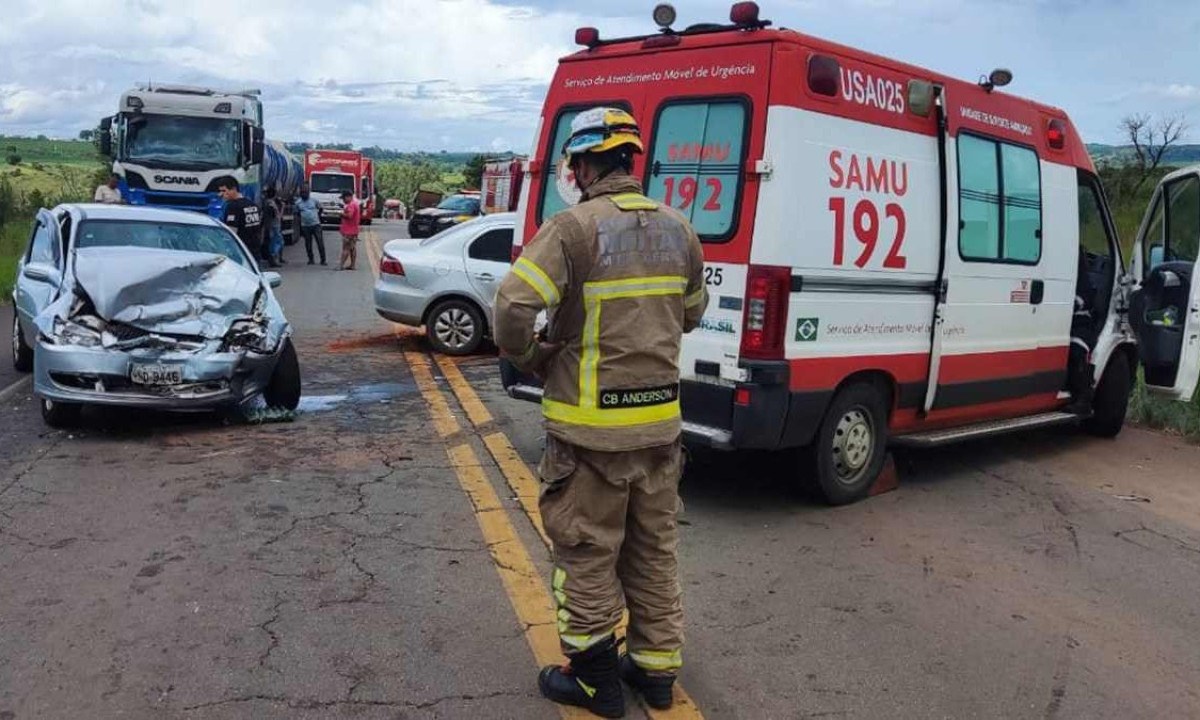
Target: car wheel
(59, 414)
(848, 453)
(1111, 401)
(22, 354)
(283, 390)
(455, 327)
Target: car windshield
(163, 236)
(182, 142)
(331, 183)
(461, 204)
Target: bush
(1163, 414)
(14, 159)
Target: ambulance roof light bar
(742, 16)
(664, 16)
(998, 78)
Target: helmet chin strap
(603, 174)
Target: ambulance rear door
(1164, 309)
(706, 133)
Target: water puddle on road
(370, 393)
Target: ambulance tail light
(767, 291)
(1056, 134)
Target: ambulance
(893, 256)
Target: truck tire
(848, 453)
(22, 354)
(284, 388)
(1110, 404)
(60, 415)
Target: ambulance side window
(695, 162)
(1000, 202)
(558, 190)
(1183, 219)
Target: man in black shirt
(241, 215)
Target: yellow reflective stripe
(596, 291)
(591, 691)
(589, 359)
(609, 417)
(657, 659)
(537, 278)
(560, 597)
(583, 642)
(559, 581)
(694, 299)
(633, 201)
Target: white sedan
(447, 282)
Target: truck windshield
(460, 203)
(331, 183)
(172, 141)
(163, 236)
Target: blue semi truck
(170, 143)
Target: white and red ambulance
(892, 255)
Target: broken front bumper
(102, 376)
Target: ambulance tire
(1111, 401)
(849, 451)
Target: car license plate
(156, 374)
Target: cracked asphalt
(156, 566)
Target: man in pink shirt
(351, 215)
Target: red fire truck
(501, 186)
(329, 173)
(893, 256)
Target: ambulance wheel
(850, 446)
(1111, 401)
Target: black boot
(589, 681)
(657, 689)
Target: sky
(471, 75)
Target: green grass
(12, 242)
(74, 182)
(1161, 414)
(45, 150)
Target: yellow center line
(443, 421)
(476, 410)
(526, 487)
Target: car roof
(136, 213)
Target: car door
(1164, 309)
(40, 271)
(488, 259)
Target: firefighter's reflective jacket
(621, 277)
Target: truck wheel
(848, 452)
(284, 388)
(1111, 401)
(60, 415)
(22, 354)
(455, 327)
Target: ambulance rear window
(695, 162)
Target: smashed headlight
(82, 330)
(251, 333)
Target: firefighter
(621, 278)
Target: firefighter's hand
(537, 363)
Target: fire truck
(329, 173)
(502, 184)
(893, 256)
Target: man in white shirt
(108, 193)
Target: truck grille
(178, 201)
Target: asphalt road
(379, 558)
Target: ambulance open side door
(940, 286)
(1164, 308)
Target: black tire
(1110, 404)
(455, 327)
(848, 453)
(283, 390)
(60, 415)
(22, 354)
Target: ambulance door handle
(1037, 292)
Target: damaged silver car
(146, 307)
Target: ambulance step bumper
(936, 438)
(712, 437)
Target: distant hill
(44, 150)
(1177, 156)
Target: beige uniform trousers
(611, 517)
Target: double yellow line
(527, 591)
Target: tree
(87, 135)
(14, 159)
(1150, 140)
(474, 171)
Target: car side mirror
(37, 272)
(273, 279)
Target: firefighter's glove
(537, 358)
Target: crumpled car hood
(166, 291)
